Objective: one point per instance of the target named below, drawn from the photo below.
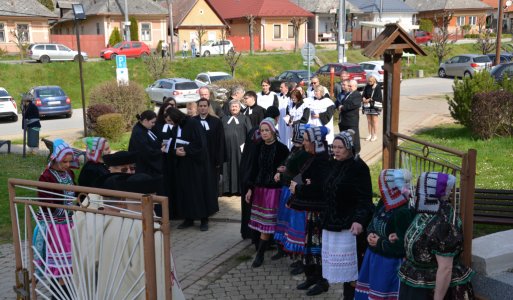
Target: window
(472, 20)
(39, 47)
(136, 45)
(98, 28)
(23, 31)
(460, 21)
(290, 31)
(63, 48)
(277, 31)
(51, 48)
(2, 33)
(146, 32)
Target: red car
(130, 49)
(355, 71)
(423, 37)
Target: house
(492, 17)
(271, 23)
(197, 17)
(102, 16)
(365, 19)
(27, 17)
(464, 12)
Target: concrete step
(493, 253)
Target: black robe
(215, 147)
(192, 195)
(255, 113)
(235, 136)
(149, 153)
(90, 173)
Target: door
(65, 52)
(52, 52)
(451, 66)
(462, 66)
(126, 49)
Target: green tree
(426, 25)
(48, 4)
(134, 29)
(115, 37)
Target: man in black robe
(254, 111)
(236, 126)
(215, 142)
(190, 164)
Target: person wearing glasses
(315, 82)
(266, 97)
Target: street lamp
(502, 6)
(79, 14)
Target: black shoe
(297, 270)
(204, 226)
(185, 224)
(280, 254)
(319, 288)
(259, 258)
(306, 285)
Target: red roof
(233, 9)
(495, 4)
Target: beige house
(28, 19)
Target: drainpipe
(262, 35)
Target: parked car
(499, 72)
(130, 49)
(8, 107)
(298, 76)
(46, 53)
(505, 57)
(374, 68)
(355, 71)
(423, 37)
(464, 65)
(51, 101)
(209, 79)
(215, 47)
(183, 90)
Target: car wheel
(441, 73)
(77, 57)
(44, 59)
(206, 53)
(467, 74)
(113, 56)
(143, 55)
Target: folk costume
(325, 108)
(148, 148)
(94, 167)
(435, 230)
(378, 275)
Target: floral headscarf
(60, 150)
(432, 188)
(394, 186)
(94, 148)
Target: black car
(505, 57)
(501, 71)
(298, 76)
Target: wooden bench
(6, 142)
(76, 152)
(493, 206)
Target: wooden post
(149, 247)
(467, 187)
(332, 80)
(15, 234)
(166, 239)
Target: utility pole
(171, 30)
(499, 30)
(127, 25)
(342, 31)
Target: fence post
(149, 247)
(467, 187)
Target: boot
(204, 224)
(320, 287)
(300, 268)
(279, 254)
(259, 258)
(310, 278)
(348, 290)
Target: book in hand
(181, 143)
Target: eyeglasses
(315, 82)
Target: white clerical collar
(167, 127)
(204, 123)
(232, 119)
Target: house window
(277, 31)
(23, 32)
(98, 28)
(290, 31)
(472, 20)
(145, 32)
(460, 21)
(2, 33)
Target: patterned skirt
(264, 210)
(378, 278)
(53, 250)
(339, 258)
(313, 239)
(291, 226)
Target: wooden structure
(413, 154)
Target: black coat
(255, 113)
(348, 194)
(350, 112)
(215, 140)
(149, 153)
(31, 112)
(90, 173)
(376, 95)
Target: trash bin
(33, 137)
(420, 73)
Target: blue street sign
(121, 61)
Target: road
(409, 88)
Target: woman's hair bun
(138, 117)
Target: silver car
(464, 65)
(53, 52)
(183, 90)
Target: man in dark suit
(350, 113)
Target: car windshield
(482, 59)
(354, 69)
(118, 45)
(50, 92)
(3, 93)
(207, 43)
(186, 86)
(220, 77)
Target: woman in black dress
(146, 144)
(372, 105)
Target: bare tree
(251, 22)
(20, 39)
(200, 32)
(441, 43)
(485, 42)
(223, 37)
(481, 23)
(232, 59)
(156, 65)
(296, 24)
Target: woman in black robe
(146, 144)
(193, 195)
(236, 126)
(94, 168)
